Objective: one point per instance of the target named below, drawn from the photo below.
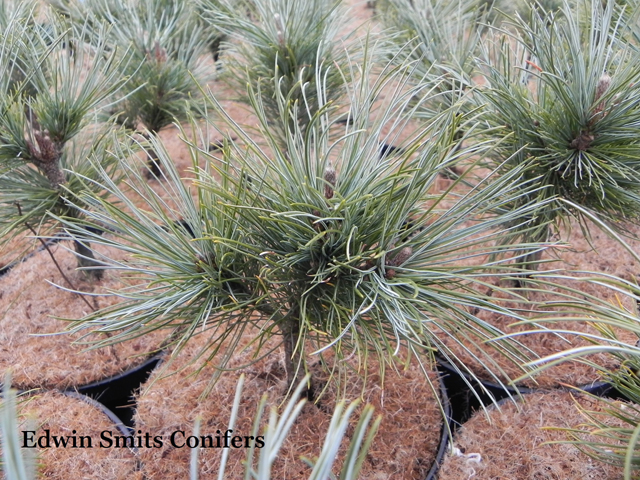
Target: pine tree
(49, 101)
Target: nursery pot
(117, 393)
(410, 442)
(117, 422)
(448, 427)
(30, 303)
(464, 402)
(510, 441)
(67, 432)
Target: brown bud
(330, 177)
(45, 154)
(402, 256)
(582, 142)
(158, 53)
(603, 85)
(49, 150)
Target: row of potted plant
(326, 223)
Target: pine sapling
(168, 43)
(561, 101)
(326, 245)
(46, 124)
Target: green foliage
(284, 46)
(610, 443)
(18, 464)
(562, 97)
(331, 245)
(49, 128)
(15, 464)
(166, 42)
(443, 37)
(611, 431)
(504, 10)
(278, 428)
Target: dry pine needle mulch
(404, 447)
(510, 443)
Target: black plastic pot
(447, 427)
(518, 459)
(51, 241)
(464, 402)
(122, 428)
(117, 421)
(116, 393)
(4, 270)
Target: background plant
(562, 97)
(48, 122)
(444, 36)
(610, 432)
(282, 48)
(278, 428)
(15, 463)
(18, 464)
(166, 44)
(25, 11)
(610, 435)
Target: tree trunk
(529, 262)
(538, 237)
(86, 259)
(53, 173)
(153, 163)
(293, 360)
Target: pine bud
(401, 257)
(330, 177)
(603, 85)
(44, 150)
(160, 53)
(279, 28)
(582, 142)
(45, 154)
